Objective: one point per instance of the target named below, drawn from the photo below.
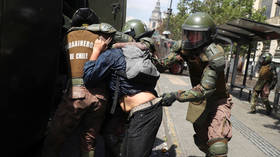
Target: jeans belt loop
(143, 106)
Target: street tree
(222, 11)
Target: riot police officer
(140, 33)
(143, 40)
(210, 104)
(266, 82)
(80, 106)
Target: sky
(142, 9)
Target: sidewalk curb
(171, 137)
(174, 148)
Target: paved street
(255, 135)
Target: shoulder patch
(102, 27)
(216, 57)
(76, 28)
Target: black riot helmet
(199, 30)
(84, 16)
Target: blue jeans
(141, 131)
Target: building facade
(273, 17)
(156, 19)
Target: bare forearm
(100, 45)
(137, 44)
(94, 55)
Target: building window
(154, 25)
(267, 4)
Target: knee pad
(254, 98)
(217, 147)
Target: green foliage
(221, 11)
(175, 22)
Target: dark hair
(84, 16)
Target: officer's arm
(149, 44)
(108, 29)
(274, 77)
(203, 90)
(173, 57)
(144, 44)
(207, 86)
(120, 37)
(169, 60)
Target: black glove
(168, 98)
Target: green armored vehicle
(33, 66)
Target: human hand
(101, 44)
(168, 98)
(229, 101)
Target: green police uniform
(209, 104)
(81, 106)
(266, 82)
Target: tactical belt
(77, 82)
(143, 106)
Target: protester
(113, 131)
(127, 80)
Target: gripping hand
(168, 98)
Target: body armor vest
(265, 73)
(196, 68)
(265, 76)
(79, 46)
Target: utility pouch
(195, 109)
(82, 98)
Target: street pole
(169, 12)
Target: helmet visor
(194, 39)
